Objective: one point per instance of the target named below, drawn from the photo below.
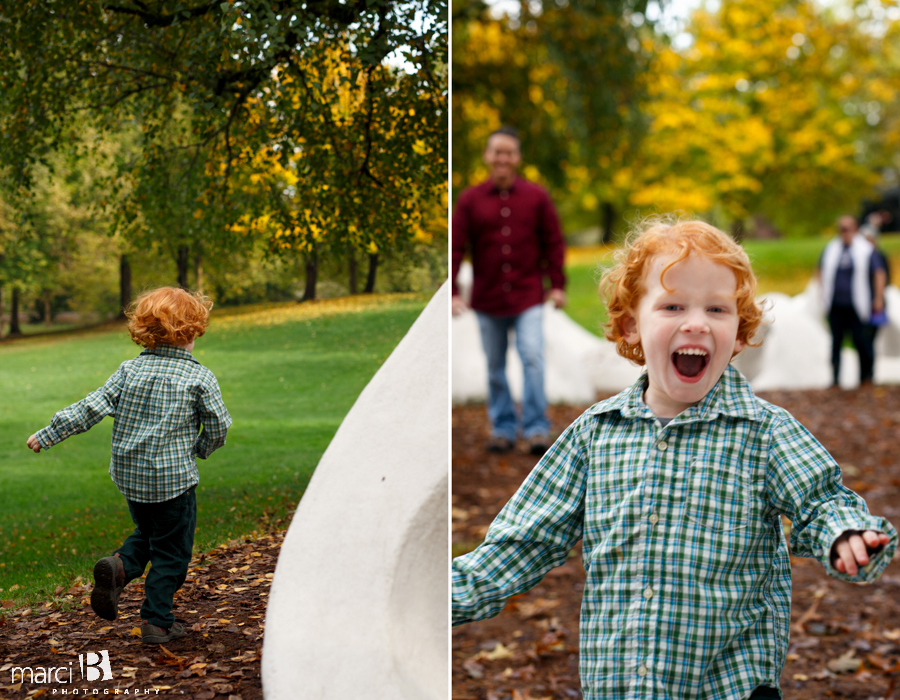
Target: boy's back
(158, 401)
(167, 410)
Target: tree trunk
(609, 214)
(352, 268)
(737, 230)
(1, 311)
(370, 280)
(183, 251)
(14, 313)
(312, 271)
(124, 284)
(47, 320)
(198, 266)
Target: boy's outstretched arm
(215, 419)
(532, 534)
(831, 523)
(80, 416)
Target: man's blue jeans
(528, 327)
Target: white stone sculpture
(795, 354)
(359, 602)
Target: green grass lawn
(289, 373)
(781, 266)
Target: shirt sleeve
(82, 416)
(553, 244)
(460, 239)
(804, 484)
(532, 534)
(215, 419)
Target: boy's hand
(33, 443)
(852, 549)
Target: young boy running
(677, 487)
(158, 401)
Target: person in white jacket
(853, 279)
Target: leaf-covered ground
(845, 639)
(222, 605)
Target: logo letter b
(97, 662)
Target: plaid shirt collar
(176, 353)
(731, 396)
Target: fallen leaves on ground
(845, 639)
(223, 606)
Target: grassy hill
(289, 373)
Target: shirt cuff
(877, 564)
(47, 437)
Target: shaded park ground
(222, 604)
(845, 639)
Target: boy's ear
(738, 346)
(630, 330)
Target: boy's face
(689, 335)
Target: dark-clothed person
(853, 279)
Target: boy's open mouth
(690, 362)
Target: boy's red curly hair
(168, 315)
(624, 282)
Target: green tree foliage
(354, 184)
(204, 86)
(565, 74)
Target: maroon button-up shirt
(515, 241)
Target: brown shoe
(499, 445)
(153, 634)
(109, 581)
(538, 444)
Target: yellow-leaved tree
(761, 115)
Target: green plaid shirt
(688, 585)
(158, 401)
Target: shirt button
(648, 593)
(642, 671)
(662, 445)
(504, 195)
(506, 249)
(506, 230)
(654, 519)
(506, 267)
(505, 212)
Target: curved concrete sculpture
(360, 599)
(578, 364)
(795, 354)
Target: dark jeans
(764, 691)
(843, 319)
(164, 536)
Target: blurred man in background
(511, 230)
